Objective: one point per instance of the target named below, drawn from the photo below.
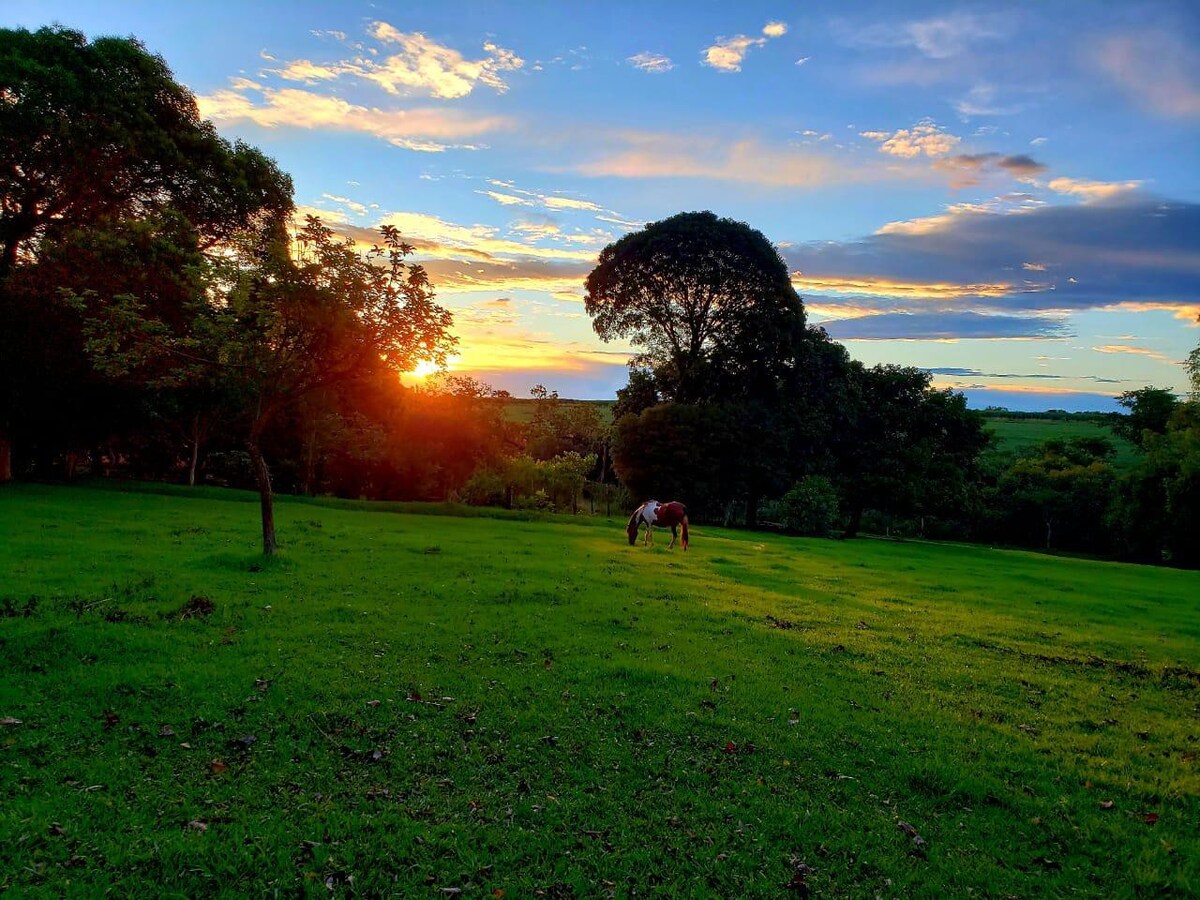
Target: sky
(1004, 194)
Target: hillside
(430, 705)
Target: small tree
(278, 330)
(811, 506)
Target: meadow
(434, 705)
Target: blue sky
(1005, 194)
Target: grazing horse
(671, 515)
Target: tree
(1150, 410)
(639, 394)
(708, 300)
(279, 330)
(1058, 493)
(104, 163)
(903, 447)
(96, 130)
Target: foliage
(708, 300)
(904, 447)
(101, 130)
(810, 507)
(1150, 409)
(424, 703)
(1057, 495)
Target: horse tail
(685, 534)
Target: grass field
(1017, 435)
(437, 706)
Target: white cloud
(1158, 69)
(414, 129)
(651, 62)
(425, 65)
(925, 137)
(726, 54)
(571, 203)
(936, 38)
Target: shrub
(810, 507)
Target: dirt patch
(197, 608)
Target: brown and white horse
(671, 515)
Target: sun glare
(424, 370)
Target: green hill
(421, 705)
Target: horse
(671, 515)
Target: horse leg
(674, 537)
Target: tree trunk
(1047, 534)
(5, 460)
(310, 463)
(266, 499)
(855, 522)
(195, 450)
(752, 512)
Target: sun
(424, 369)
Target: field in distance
(430, 705)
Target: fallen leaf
(186, 746)
(217, 767)
(373, 703)
(197, 825)
(498, 893)
(730, 747)
(9, 720)
(166, 731)
(1149, 818)
(1107, 804)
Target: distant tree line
(164, 319)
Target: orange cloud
(881, 287)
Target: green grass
(1017, 435)
(401, 705)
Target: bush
(484, 488)
(810, 507)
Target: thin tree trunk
(752, 512)
(5, 460)
(266, 499)
(309, 463)
(195, 450)
(855, 522)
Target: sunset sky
(1007, 195)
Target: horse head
(633, 526)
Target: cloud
(726, 54)
(936, 38)
(651, 62)
(506, 199)
(1134, 255)
(424, 65)
(1136, 351)
(968, 169)
(955, 372)
(925, 137)
(656, 155)
(310, 72)
(943, 326)
(571, 203)
(980, 100)
(415, 129)
(1157, 69)
(1092, 190)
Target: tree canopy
(101, 129)
(706, 299)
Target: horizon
(1006, 199)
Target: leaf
(197, 825)
(166, 731)
(730, 747)
(217, 767)
(1107, 804)
(917, 841)
(9, 720)
(373, 703)
(1149, 818)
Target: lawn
(1018, 435)
(424, 705)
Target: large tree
(111, 182)
(707, 301)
